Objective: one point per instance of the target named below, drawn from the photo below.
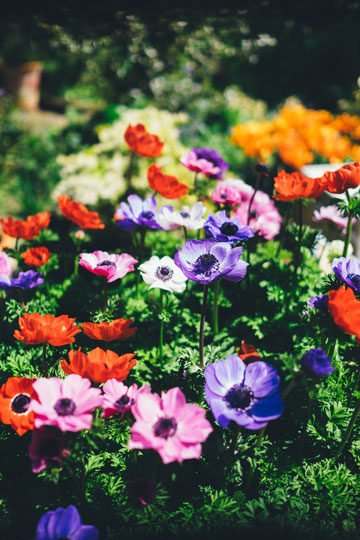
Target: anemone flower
(316, 364)
(66, 524)
(111, 266)
(15, 398)
(163, 274)
(137, 213)
(189, 217)
(348, 271)
(227, 229)
(47, 448)
(119, 398)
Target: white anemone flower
(163, 274)
(190, 218)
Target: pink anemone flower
(169, 425)
(199, 165)
(65, 403)
(119, 398)
(112, 266)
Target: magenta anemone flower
(112, 266)
(206, 161)
(119, 398)
(64, 524)
(65, 403)
(47, 448)
(248, 395)
(169, 425)
(207, 260)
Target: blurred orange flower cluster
(298, 134)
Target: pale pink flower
(112, 266)
(119, 398)
(169, 425)
(65, 403)
(193, 163)
(6, 264)
(227, 192)
(332, 213)
(265, 218)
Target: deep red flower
(36, 329)
(141, 142)
(168, 186)
(79, 214)
(345, 178)
(290, 186)
(27, 229)
(345, 310)
(36, 256)
(248, 353)
(117, 329)
(15, 397)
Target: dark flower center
(49, 448)
(205, 264)
(20, 403)
(107, 263)
(228, 228)
(223, 196)
(165, 427)
(355, 279)
(122, 402)
(65, 407)
(147, 215)
(164, 273)
(239, 397)
(184, 214)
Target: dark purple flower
(25, 280)
(260, 168)
(348, 270)
(319, 302)
(248, 395)
(47, 448)
(137, 213)
(226, 229)
(213, 157)
(207, 260)
(142, 490)
(315, 363)
(64, 524)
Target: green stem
(348, 228)
(161, 339)
(215, 307)
(105, 293)
(300, 223)
(258, 443)
(282, 232)
(202, 326)
(257, 185)
(129, 171)
(185, 234)
(234, 440)
(76, 266)
(196, 187)
(290, 387)
(310, 405)
(45, 366)
(142, 242)
(348, 431)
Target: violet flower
(319, 302)
(248, 395)
(348, 271)
(315, 363)
(227, 229)
(207, 260)
(137, 213)
(47, 448)
(25, 280)
(213, 157)
(64, 523)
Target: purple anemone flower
(137, 213)
(47, 448)
(315, 363)
(248, 395)
(64, 523)
(213, 157)
(25, 280)
(226, 229)
(348, 270)
(207, 260)
(319, 302)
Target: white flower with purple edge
(190, 218)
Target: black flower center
(205, 264)
(228, 228)
(184, 214)
(165, 427)
(355, 279)
(239, 397)
(123, 402)
(223, 196)
(164, 273)
(65, 407)
(147, 215)
(20, 403)
(49, 448)
(107, 263)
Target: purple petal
(268, 408)
(262, 378)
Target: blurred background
(73, 76)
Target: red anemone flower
(141, 142)
(117, 329)
(345, 310)
(27, 229)
(15, 397)
(346, 177)
(99, 365)
(36, 329)
(168, 186)
(79, 214)
(36, 256)
(290, 186)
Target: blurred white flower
(163, 274)
(191, 218)
(327, 251)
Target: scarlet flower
(27, 229)
(141, 142)
(57, 331)
(36, 256)
(15, 397)
(248, 353)
(79, 214)
(290, 186)
(168, 186)
(346, 177)
(345, 310)
(117, 329)
(99, 365)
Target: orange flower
(15, 396)
(28, 229)
(99, 365)
(345, 178)
(168, 186)
(117, 329)
(248, 353)
(35, 329)
(79, 214)
(141, 142)
(290, 186)
(345, 310)
(36, 256)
